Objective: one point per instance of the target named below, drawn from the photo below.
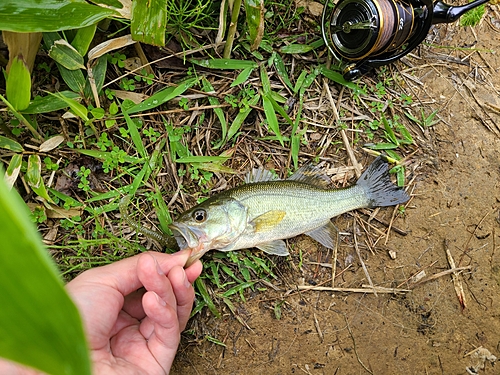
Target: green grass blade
(202, 290)
(202, 159)
(254, 10)
(338, 78)
(241, 116)
(163, 96)
(207, 87)
(102, 155)
(149, 21)
(134, 134)
(242, 77)
(272, 119)
(226, 64)
(77, 108)
(21, 118)
(39, 324)
(281, 70)
(162, 211)
(49, 103)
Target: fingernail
(160, 301)
(158, 268)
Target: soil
(455, 206)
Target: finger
(184, 294)
(164, 339)
(122, 275)
(132, 304)
(193, 271)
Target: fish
(265, 211)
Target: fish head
(213, 224)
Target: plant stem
(232, 29)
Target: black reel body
(364, 34)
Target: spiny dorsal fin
(259, 175)
(268, 220)
(310, 174)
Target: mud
(455, 207)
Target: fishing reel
(364, 34)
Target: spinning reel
(369, 33)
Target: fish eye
(200, 216)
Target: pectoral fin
(268, 220)
(325, 235)
(277, 247)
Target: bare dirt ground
(455, 207)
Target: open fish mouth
(188, 239)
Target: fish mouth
(188, 239)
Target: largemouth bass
(264, 212)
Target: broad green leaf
(18, 85)
(296, 48)
(50, 15)
(78, 109)
(13, 170)
(338, 78)
(10, 144)
(66, 55)
(230, 64)
(39, 324)
(105, 155)
(281, 70)
(242, 77)
(162, 96)
(49, 103)
(149, 21)
(83, 38)
(272, 120)
(254, 10)
(34, 177)
(241, 116)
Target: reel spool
(365, 34)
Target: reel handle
(444, 13)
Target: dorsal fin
(310, 174)
(259, 175)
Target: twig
(354, 346)
(318, 329)
(365, 289)
(457, 283)
(440, 274)
(365, 270)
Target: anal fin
(277, 247)
(326, 235)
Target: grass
(195, 130)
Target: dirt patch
(455, 206)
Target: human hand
(132, 330)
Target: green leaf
(338, 78)
(134, 134)
(241, 116)
(78, 109)
(381, 146)
(202, 159)
(149, 19)
(254, 10)
(242, 77)
(13, 170)
(10, 144)
(66, 55)
(34, 177)
(102, 155)
(228, 64)
(296, 48)
(272, 119)
(162, 96)
(83, 38)
(39, 324)
(50, 15)
(202, 289)
(18, 85)
(281, 70)
(21, 118)
(50, 103)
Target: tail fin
(378, 186)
